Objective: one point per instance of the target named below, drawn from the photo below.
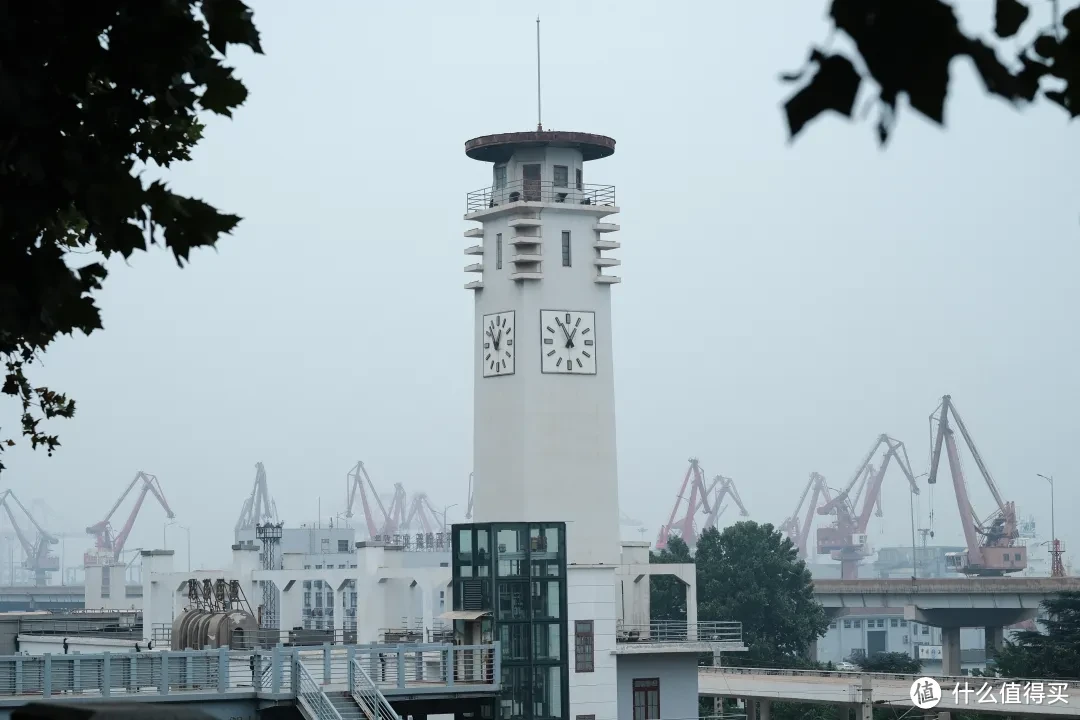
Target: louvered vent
(472, 594)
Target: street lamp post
(1053, 534)
(446, 509)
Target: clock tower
(544, 403)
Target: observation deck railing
(662, 631)
(542, 191)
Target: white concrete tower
(544, 408)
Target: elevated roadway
(759, 687)
(948, 603)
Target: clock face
(568, 342)
(497, 344)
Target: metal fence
(544, 191)
(266, 638)
(681, 632)
(1072, 685)
(269, 673)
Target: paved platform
(1032, 697)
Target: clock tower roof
(500, 147)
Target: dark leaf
(1009, 15)
(833, 87)
(1046, 46)
(1065, 100)
(1071, 20)
(230, 22)
(223, 92)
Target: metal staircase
(367, 696)
(311, 699)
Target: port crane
(109, 546)
(845, 539)
(359, 482)
(259, 508)
(696, 496)
(39, 559)
(992, 549)
(720, 488)
(798, 531)
(468, 512)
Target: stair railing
(311, 695)
(367, 695)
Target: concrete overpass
(948, 603)
(758, 687)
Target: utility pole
(1056, 568)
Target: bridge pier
(950, 620)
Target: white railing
(311, 695)
(367, 694)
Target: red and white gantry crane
(799, 530)
(845, 539)
(991, 543)
(109, 546)
(696, 498)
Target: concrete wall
(544, 444)
(54, 644)
(590, 595)
(678, 675)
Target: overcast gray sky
(813, 295)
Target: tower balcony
(511, 196)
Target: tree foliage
(91, 93)
(906, 48)
(1053, 654)
(897, 663)
(752, 573)
(667, 594)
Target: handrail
(312, 696)
(674, 631)
(367, 694)
(905, 677)
(544, 191)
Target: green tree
(667, 594)
(907, 48)
(91, 94)
(891, 662)
(1053, 654)
(752, 573)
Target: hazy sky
(781, 305)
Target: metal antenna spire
(539, 126)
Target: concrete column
(995, 640)
(751, 708)
(691, 604)
(765, 710)
(950, 651)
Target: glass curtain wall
(517, 572)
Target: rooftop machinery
(845, 539)
(799, 530)
(259, 508)
(992, 547)
(39, 558)
(707, 499)
(109, 547)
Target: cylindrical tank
(198, 629)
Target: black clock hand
(571, 338)
(569, 342)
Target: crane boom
(114, 545)
(468, 512)
(360, 481)
(999, 530)
(259, 508)
(697, 500)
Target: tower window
(566, 248)
(583, 646)
(562, 175)
(498, 251)
(500, 177)
(578, 173)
